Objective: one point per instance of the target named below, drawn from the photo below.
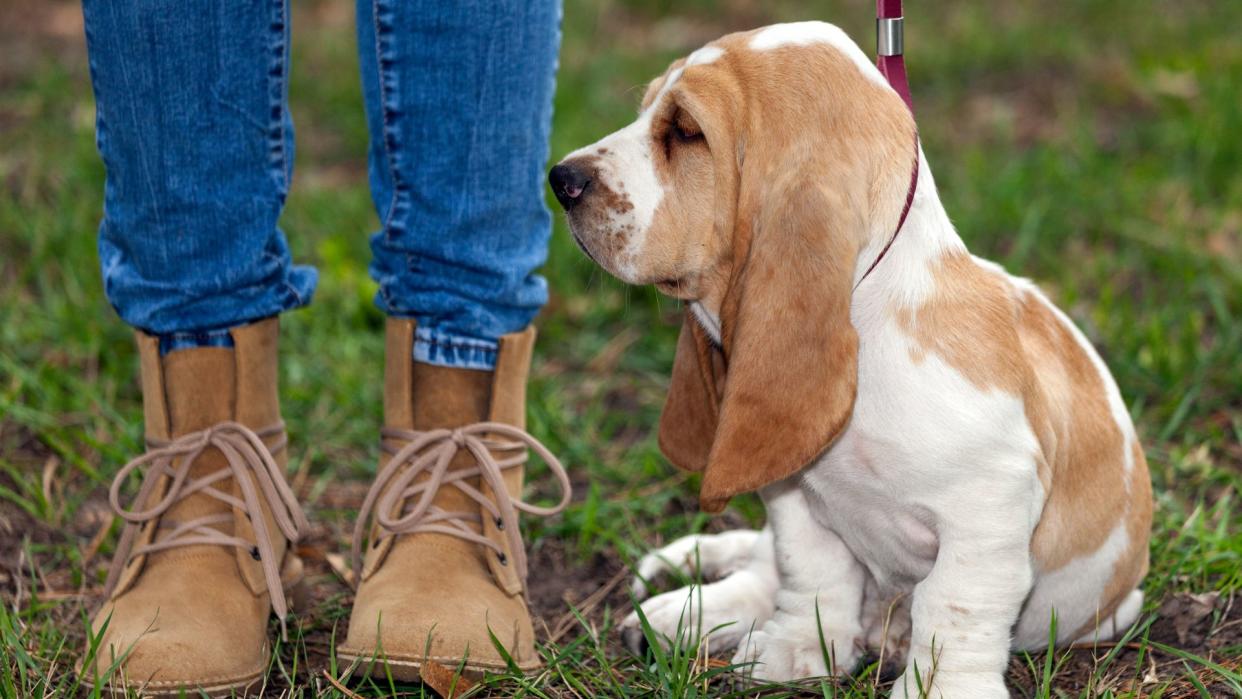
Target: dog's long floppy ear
(688, 423)
(789, 352)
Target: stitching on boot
(192, 684)
(417, 661)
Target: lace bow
(246, 455)
(432, 452)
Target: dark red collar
(890, 47)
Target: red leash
(890, 49)
(890, 46)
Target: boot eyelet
(254, 553)
(500, 524)
(504, 560)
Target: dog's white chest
(846, 496)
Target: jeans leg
(459, 106)
(194, 129)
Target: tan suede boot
(445, 562)
(205, 554)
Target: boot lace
(432, 452)
(246, 453)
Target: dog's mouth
(669, 287)
(672, 287)
(582, 246)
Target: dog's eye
(685, 127)
(686, 134)
(681, 129)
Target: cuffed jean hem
(194, 340)
(197, 339)
(159, 310)
(432, 346)
(210, 325)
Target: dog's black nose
(568, 184)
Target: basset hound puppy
(945, 461)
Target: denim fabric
(198, 146)
(196, 137)
(459, 106)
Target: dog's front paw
(710, 555)
(949, 685)
(789, 646)
(725, 610)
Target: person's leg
(459, 98)
(196, 140)
(459, 106)
(195, 134)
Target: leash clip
(890, 36)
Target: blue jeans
(194, 129)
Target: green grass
(1092, 146)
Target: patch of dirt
(558, 584)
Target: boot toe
(166, 646)
(444, 617)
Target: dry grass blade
(340, 687)
(340, 567)
(92, 548)
(49, 483)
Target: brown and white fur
(944, 459)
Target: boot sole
(410, 670)
(240, 687)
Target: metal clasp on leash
(890, 36)
(890, 44)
